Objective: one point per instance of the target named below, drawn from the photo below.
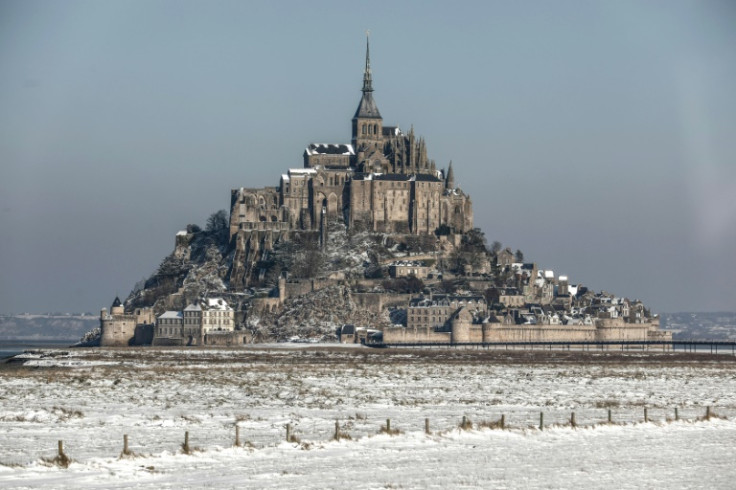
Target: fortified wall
(463, 330)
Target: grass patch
(492, 424)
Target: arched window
(375, 128)
(364, 129)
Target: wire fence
(255, 435)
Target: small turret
(117, 307)
(450, 179)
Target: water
(10, 348)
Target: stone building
(121, 329)
(405, 268)
(211, 322)
(169, 327)
(382, 181)
(435, 312)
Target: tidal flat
(91, 398)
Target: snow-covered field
(91, 398)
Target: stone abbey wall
(464, 331)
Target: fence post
(237, 435)
(288, 432)
(707, 413)
(677, 415)
(125, 445)
(503, 421)
(337, 430)
(426, 426)
(388, 425)
(646, 416)
(61, 449)
(541, 420)
(572, 420)
(610, 420)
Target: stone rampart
(398, 335)
(539, 333)
(377, 302)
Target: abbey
(381, 181)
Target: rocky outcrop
(315, 315)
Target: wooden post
(288, 432)
(610, 420)
(388, 425)
(646, 416)
(125, 444)
(572, 420)
(707, 413)
(237, 435)
(61, 449)
(541, 420)
(337, 430)
(677, 415)
(503, 421)
(465, 422)
(426, 426)
(185, 447)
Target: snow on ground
(90, 398)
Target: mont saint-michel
(367, 241)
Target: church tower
(367, 122)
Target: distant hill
(46, 326)
(702, 326)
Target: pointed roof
(117, 302)
(367, 107)
(450, 180)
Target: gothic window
(375, 128)
(363, 129)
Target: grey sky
(597, 137)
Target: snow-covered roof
(330, 149)
(193, 307)
(217, 304)
(302, 171)
(171, 314)
(563, 278)
(181, 233)
(408, 263)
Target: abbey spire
(367, 122)
(367, 78)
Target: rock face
(198, 266)
(315, 315)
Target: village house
(209, 322)
(435, 311)
(405, 268)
